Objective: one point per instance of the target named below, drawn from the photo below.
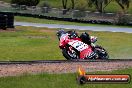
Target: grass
(33, 20)
(45, 21)
(57, 81)
(32, 43)
(28, 43)
(52, 3)
(6, 1)
(112, 7)
(118, 44)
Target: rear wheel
(102, 53)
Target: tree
(81, 5)
(124, 4)
(73, 4)
(64, 4)
(99, 4)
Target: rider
(85, 37)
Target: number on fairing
(80, 46)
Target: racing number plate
(80, 46)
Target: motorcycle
(80, 47)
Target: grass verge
(57, 81)
(32, 43)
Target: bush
(25, 2)
(45, 4)
(122, 19)
(81, 5)
(78, 14)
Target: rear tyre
(102, 53)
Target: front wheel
(102, 53)
(70, 55)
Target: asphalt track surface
(92, 28)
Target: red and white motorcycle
(80, 47)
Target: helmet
(72, 34)
(59, 33)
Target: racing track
(92, 28)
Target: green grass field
(28, 43)
(32, 43)
(45, 80)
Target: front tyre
(70, 55)
(102, 53)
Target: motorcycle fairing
(83, 48)
(80, 46)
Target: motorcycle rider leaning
(86, 39)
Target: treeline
(99, 5)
